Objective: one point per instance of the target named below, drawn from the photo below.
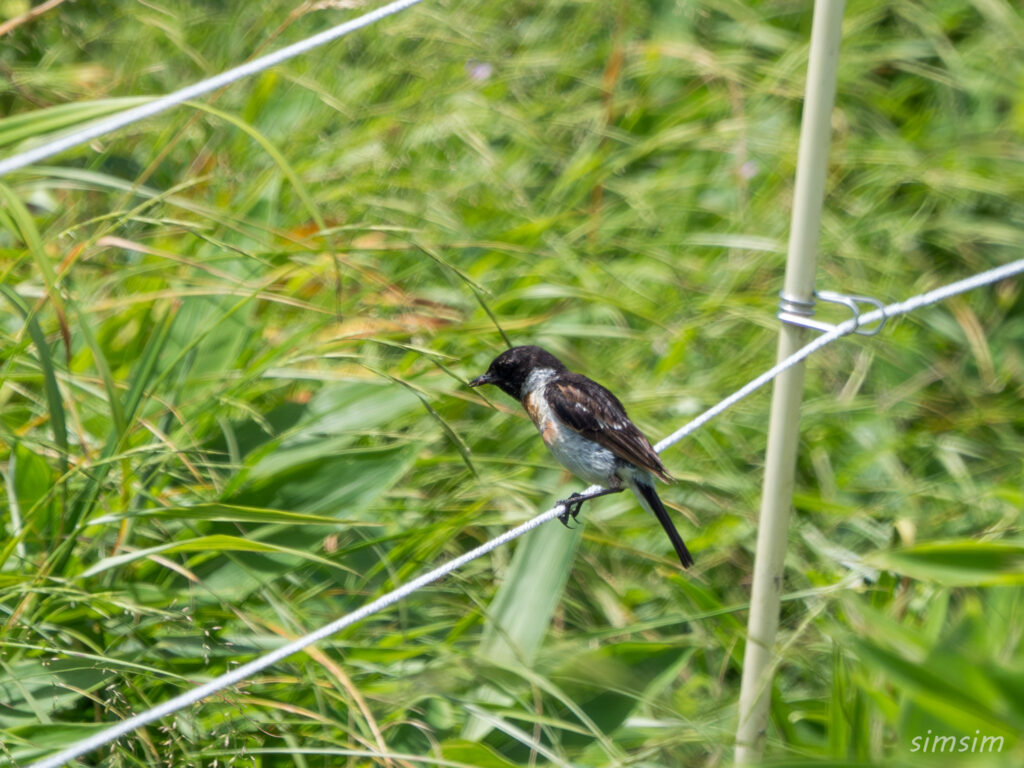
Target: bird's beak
(486, 378)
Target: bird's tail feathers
(648, 498)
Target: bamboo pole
(784, 425)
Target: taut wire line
(133, 115)
(851, 325)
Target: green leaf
(357, 406)
(950, 687)
(215, 543)
(609, 683)
(33, 688)
(471, 753)
(32, 478)
(319, 477)
(27, 125)
(100, 361)
(231, 513)
(959, 563)
(520, 614)
(54, 400)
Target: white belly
(584, 458)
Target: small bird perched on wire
(586, 428)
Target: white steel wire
(851, 325)
(133, 115)
(250, 668)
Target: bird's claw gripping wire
(572, 509)
(573, 503)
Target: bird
(586, 428)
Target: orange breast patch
(531, 408)
(545, 425)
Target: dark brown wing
(586, 407)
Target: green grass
(235, 341)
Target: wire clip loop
(800, 312)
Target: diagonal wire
(133, 115)
(851, 325)
(249, 669)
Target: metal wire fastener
(801, 312)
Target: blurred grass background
(235, 339)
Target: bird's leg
(575, 502)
